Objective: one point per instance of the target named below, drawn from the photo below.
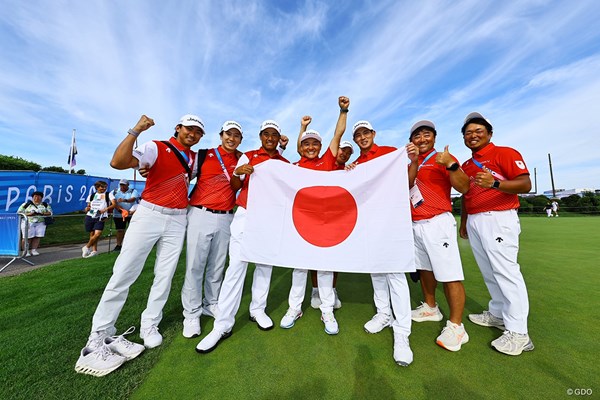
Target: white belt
(163, 210)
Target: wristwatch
(453, 167)
(496, 184)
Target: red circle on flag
(324, 215)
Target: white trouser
(148, 227)
(230, 295)
(381, 293)
(400, 300)
(494, 238)
(298, 289)
(207, 243)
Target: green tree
(54, 169)
(10, 163)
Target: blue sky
(532, 67)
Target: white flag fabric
(346, 221)
(72, 152)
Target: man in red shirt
(390, 291)
(489, 220)
(160, 219)
(309, 148)
(431, 174)
(209, 218)
(344, 153)
(233, 282)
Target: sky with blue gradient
(531, 66)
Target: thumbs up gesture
(444, 158)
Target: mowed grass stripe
(46, 315)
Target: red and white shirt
(253, 157)
(324, 163)
(507, 164)
(433, 181)
(167, 181)
(213, 189)
(374, 152)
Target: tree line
(10, 163)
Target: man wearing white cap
(431, 175)
(123, 199)
(309, 147)
(209, 217)
(160, 219)
(344, 153)
(489, 220)
(390, 291)
(230, 295)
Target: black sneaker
(117, 248)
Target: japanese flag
(348, 221)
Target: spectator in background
(97, 210)
(123, 199)
(35, 210)
(555, 208)
(548, 209)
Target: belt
(215, 211)
(163, 210)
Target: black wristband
(453, 167)
(344, 110)
(496, 184)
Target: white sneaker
(123, 347)
(98, 362)
(486, 318)
(96, 339)
(211, 341)
(426, 313)
(262, 320)
(92, 254)
(331, 325)
(34, 252)
(337, 304)
(290, 317)
(152, 338)
(315, 300)
(453, 336)
(378, 322)
(28, 254)
(403, 355)
(513, 343)
(85, 251)
(191, 327)
(210, 310)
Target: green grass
(69, 228)
(46, 315)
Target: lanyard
(494, 174)
(427, 158)
(222, 164)
(185, 156)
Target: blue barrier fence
(64, 192)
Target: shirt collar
(488, 148)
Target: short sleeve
(146, 154)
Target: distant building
(560, 193)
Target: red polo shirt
(323, 163)
(504, 161)
(433, 181)
(214, 190)
(374, 152)
(167, 181)
(253, 157)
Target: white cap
(345, 144)
(361, 124)
(270, 124)
(421, 123)
(474, 115)
(311, 134)
(192, 120)
(124, 182)
(231, 125)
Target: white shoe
(210, 310)
(96, 339)
(426, 313)
(152, 338)
(34, 252)
(92, 254)
(28, 254)
(191, 327)
(453, 336)
(85, 251)
(378, 322)
(98, 362)
(513, 343)
(403, 355)
(263, 321)
(290, 317)
(337, 304)
(123, 347)
(331, 325)
(211, 341)
(486, 318)
(315, 300)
